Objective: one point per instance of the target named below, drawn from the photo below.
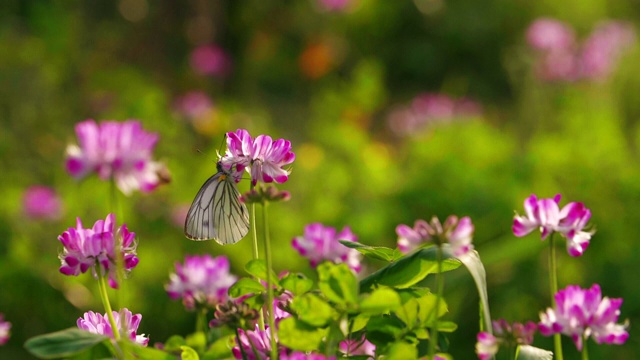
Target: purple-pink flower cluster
(299, 355)
(95, 249)
(321, 243)
(120, 151)
(361, 346)
(193, 104)
(5, 330)
(561, 58)
(504, 333)
(583, 313)
(486, 346)
(545, 214)
(428, 109)
(262, 157)
(201, 280)
(334, 5)
(255, 344)
(42, 202)
(99, 324)
(458, 233)
(211, 60)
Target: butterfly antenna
(224, 140)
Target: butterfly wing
(217, 213)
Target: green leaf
(359, 322)
(420, 312)
(527, 352)
(255, 302)
(401, 351)
(313, 310)
(472, 262)
(388, 325)
(149, 353)
(374, 252)
(258, 268)
(246, 286)
(197, 340)
(298, 284)
(380, 301)
(188, 354)
(408, 270)
(298, 335)
(447, 326)
(62, 343)
(338, 283)
(220, 349)
(174, 343)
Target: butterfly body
(216, 212)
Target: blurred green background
(329, 81)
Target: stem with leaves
(433, 337)
(269, 305)
(553, 285)
(254, 235)
(102, 284)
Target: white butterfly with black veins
(216, 212)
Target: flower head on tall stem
(583, 313)
(457, 232)
(263, 157)
(99, 324)
(5, 328)
(116, 150)
(545, 214)
(95, 249)
(201, 281)
(321, 243)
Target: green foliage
(150, 353)
(381, 300)
(374, 252)
(401, 350)
(297, 284)
(298, 335)
(314, 311)
(64, 61)
(188, 354)
(338, 284)
(62, 343)
(220, 349)
(258, 268)
(246, 286)
(408, 271)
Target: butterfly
(216, 212)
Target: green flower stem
(553, 285)
(585, 352)
(254, 235)
(433, 337)
(201, 320)
(512, 351)
(102, 283)
(269, 305)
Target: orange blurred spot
(208, 123)
(316, 60)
